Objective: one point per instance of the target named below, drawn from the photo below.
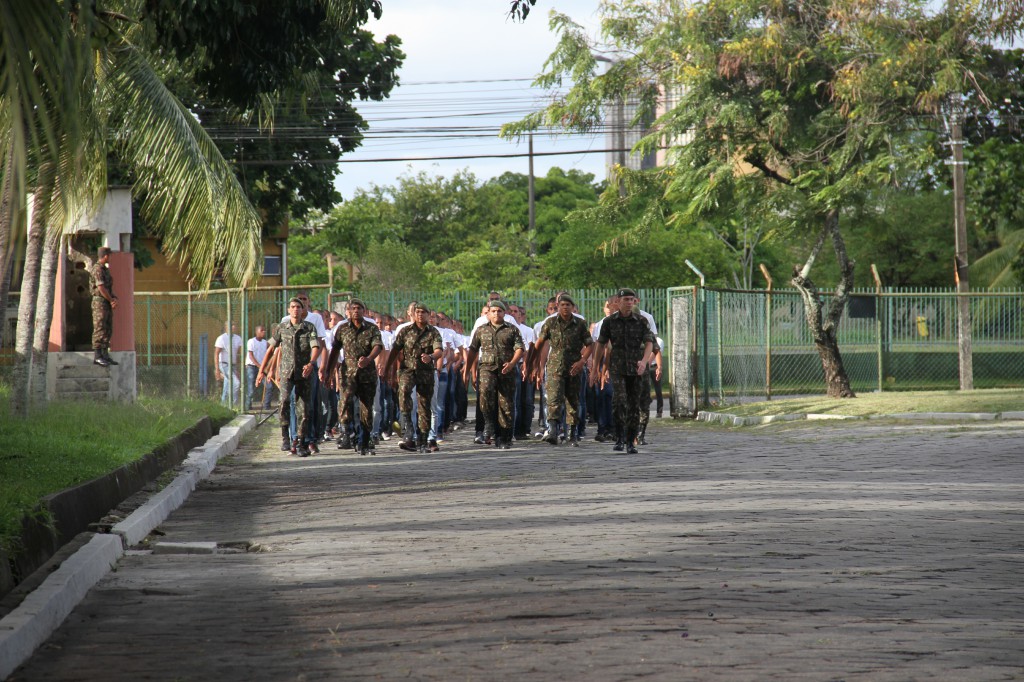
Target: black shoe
(345, 442)
(552, 438)
(408, 445)
(574, 441)
(364, 451)
(479, 440)
(641, 441)
(432, 446)
(110, 360)
(599, 438)
(100, 360)
(619, 446)
(504, 443)
(631, 450)
(659, 415)
(286, 444)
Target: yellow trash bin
(922, 326)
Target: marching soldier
(499, 346)
(300, 348)
(632, 342)
(570, 341)
(417, 347)
(362, 343)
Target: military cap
(421, 306)
(566, 298)
(497, 303)
(626, 292)
(357, 301)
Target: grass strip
(68, 443)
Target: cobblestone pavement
(807, 551)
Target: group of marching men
(341, 373)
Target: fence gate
(682, 324)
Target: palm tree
(73, 85)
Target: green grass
(867, 404)
(72, 442)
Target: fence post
(767, 334)
(878, 322)
(149, 331)
(243, 388)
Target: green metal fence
(175, 332)
(742, 345)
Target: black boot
(110, 360)
(286, 441)
(409, 443)
(100, 359)
(552, 434)
(631, 443)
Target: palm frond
(190, 193)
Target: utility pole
(961, 275)
(533, 206)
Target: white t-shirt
(650, 320)
(236, 343)
(258, 348)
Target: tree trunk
(44, 317)
(22, 373)
(824, 323)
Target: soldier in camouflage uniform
(362, 343)
(496, 347)
(570, 341)
(632, 341)
(300, 348)
(419, 347)
(101, 287)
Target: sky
(446, 45)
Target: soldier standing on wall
(103, 303)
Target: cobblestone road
(801, 552)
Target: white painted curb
(735, 420)
(42, 612)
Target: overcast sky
(447, 44)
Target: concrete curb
(42, 612)
(735, 420)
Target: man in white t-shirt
(255, 350)
(228, 363)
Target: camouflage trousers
(563, 389)
(645, 399)
(424, 385)
(627, 391)
(497, 396)
(102, 322)
(364, 388)
(303, 387)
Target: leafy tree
(499, 259)
(815, 98)
(390, 265)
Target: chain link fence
(735, 346)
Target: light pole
(954, 126)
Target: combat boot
(551, 435)
(409, 443)
(110, 360)
(631, 443)
(100, 359)
(286, 441)
(344, 441)
(574, 440)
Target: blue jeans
(437, 404)
(235, 384)
(604, 407)
(250, 387)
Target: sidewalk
(854, 551)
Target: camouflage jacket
(628, 336)
(297, 342)
(414, 342)
(101, 276)
(358, 343)
(567, 339)
(496, 345)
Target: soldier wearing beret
(361, 341)
(493, 353)
(570, 346)
(104, 301)
(416, 349)
(632, 342)
(300, 348)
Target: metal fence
(175, 332)
(733, 346)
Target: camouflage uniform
(102, 312)
(628, 335)
(496, 345)
(297, 342)
(358, 382)
(567, 341)
(414, 373)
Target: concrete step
(67, 384)
(89, 371)
(94, 396)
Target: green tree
(817, 99)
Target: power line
(460, 157)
